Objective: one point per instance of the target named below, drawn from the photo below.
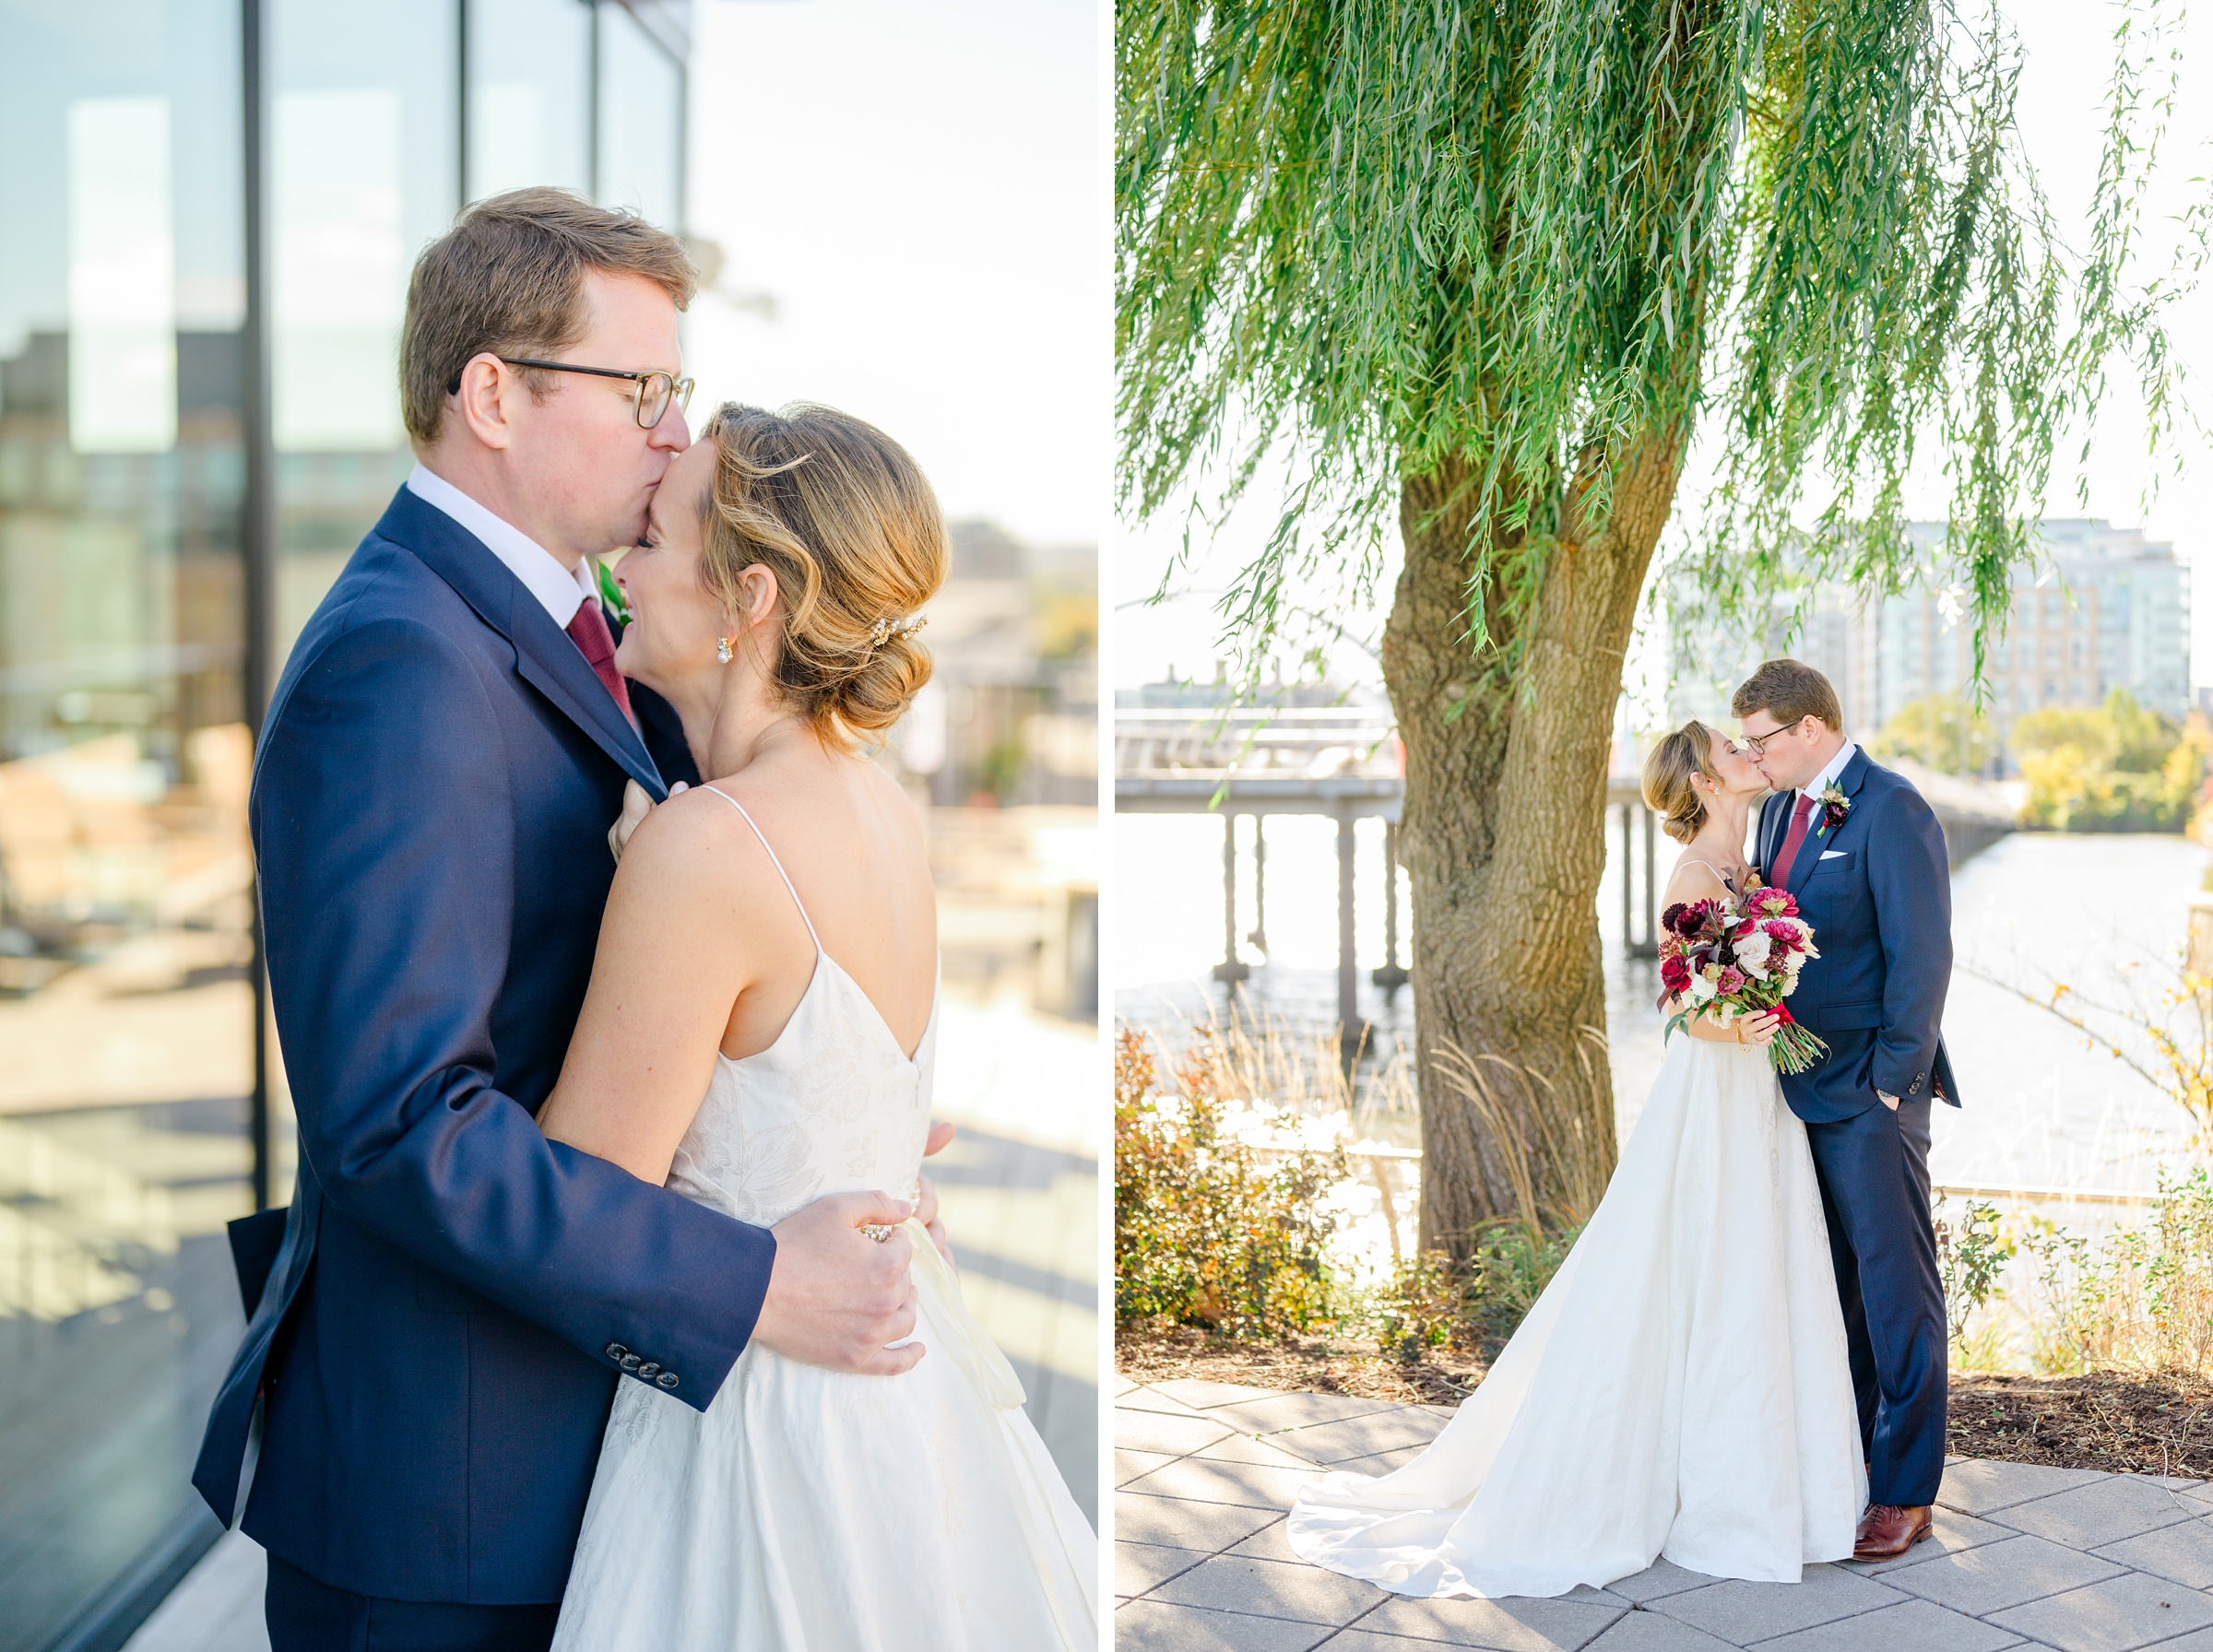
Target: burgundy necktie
(1798, 817)
(597, 643)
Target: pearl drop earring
(722, 649)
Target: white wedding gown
(816, 1509)
(1679, 1390)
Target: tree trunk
(1504, 839)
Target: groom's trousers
(307, 1616)
(1874, 1170)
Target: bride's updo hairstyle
(1667, 773)
(844, 518)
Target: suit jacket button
(617, 1352)
(666, 1379)
(630, 1361)
(649, 1370)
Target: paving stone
(2175, 1482)
(1350, 1437)
(1949, 1531)
(2114, 1616)
(1154, 1400)
(1201, 1394)
(1272, 1541)
(1130, 1465)
(1649, 1632)
(1383, 1462)
(1267, 1589)
(1508, 1625)
(1659, 1579)
(1910, 1626)
(1742, 1612)
(2103, 1512)
(1261, 1454)
(1979, 1485)
(1123, 1385)
(1203, 1481)
(1276, 1412)
(1993, 1577)
(1181, 1525)
(2182, 1553)
(1162, 1431)
(1138, 1567)
(1155, 1626)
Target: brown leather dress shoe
(1886, 1532)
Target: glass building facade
(211, 209)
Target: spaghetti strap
(1727, 882)
(774, 862)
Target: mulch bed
(2136, 1424)
(2133, 1424)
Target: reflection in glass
(641, 120)
(364, 130)
(126, 1006)
(529, 95)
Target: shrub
(1205, 1230)
(2119, 768)
(2141, 1300)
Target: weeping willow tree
(1490, 267)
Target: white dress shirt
(1819, 782)
(560, 595)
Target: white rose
(1752, 955)
(1702, 988)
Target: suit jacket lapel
(544, 656)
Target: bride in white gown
(759, 1032)
(1680, 1389)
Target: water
(2103, 913)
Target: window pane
(362, 173)
(125, 1011)
(641, 120)
(529, 95)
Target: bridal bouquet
(1724, 959)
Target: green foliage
(1941, 731)
(2119, 768)
(1434, 1302)
(1205, 1232)
(1971, 1254)
(1549, 240)
(2141, 1300)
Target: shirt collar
(1827, 777)
(560, 595)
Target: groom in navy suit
(1865, 856)
(438, 1323)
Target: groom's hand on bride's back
(835, 1296)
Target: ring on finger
(876, 1232)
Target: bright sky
(2070, 51)
(917, 185)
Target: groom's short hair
(508, 278)
(1788, 690)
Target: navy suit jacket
(1877, 890)
(456, 1297)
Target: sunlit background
(895, 209)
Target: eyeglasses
(652, 392)
(1759, 742)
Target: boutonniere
(611, 594)
(1835, 805)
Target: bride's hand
(1759, 1030)
(636, 806)
(838, 1298)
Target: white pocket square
(1832, 854)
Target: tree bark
(1504, 839)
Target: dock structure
(1343, 761)
(1346, 762)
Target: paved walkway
(2078, 1560)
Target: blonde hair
(508, 278)
(844, 520)
(1668, 770)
